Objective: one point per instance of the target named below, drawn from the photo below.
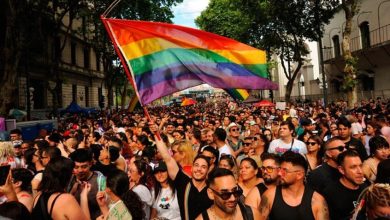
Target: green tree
(350, 8)
(279, 27)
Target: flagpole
(110, 7)
(127, 70)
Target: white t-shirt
(356, 128)
(279, 147)
(225, 149)
(146, 198)
(167, 205)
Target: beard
(284, 184)
(269, 180)
(224, 208)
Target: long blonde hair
(6, 149)
(185, 146)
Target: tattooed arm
(267, 199)
(319, 207)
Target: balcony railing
(378, 37)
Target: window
(86, 57)
(336, 45)
(97, 61)
(86, 96)
(57, 47)
(365, 34)
(74, 93)
(73, 53)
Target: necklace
(216, 217)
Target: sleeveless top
(40, 209)
(262, 188)
(281, 210)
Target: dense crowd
(212, 160)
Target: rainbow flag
(164, 58)
(134, 103)
(238, 94)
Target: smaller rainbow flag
(238, 94)
(134, 104)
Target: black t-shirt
(104, 169)
(197, 201)
(341, 200)
(321, 177)
(358, 146)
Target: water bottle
(101, 180)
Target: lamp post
(379, 20)
(321, 52)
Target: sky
(186, 12)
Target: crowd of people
(213, 160)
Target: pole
(321, 54)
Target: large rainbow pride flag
(164, 58)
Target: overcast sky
(186, 12)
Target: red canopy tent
(187, 101)
(264, 103)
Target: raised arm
(172, 166)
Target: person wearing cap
(233, 139)
(165, 201)
(191, 191)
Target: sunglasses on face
(233, 129)
(311, 143)
(268, 169)
(339, 148)
(226, 195)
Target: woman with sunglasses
(248, 175)
(313, 156)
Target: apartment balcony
(377, 40)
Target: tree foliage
(36, 32)
(279, 27)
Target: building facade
(370, 43)
(80, 71)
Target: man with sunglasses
(269, 170)
(292, 199)
(327, 172)
(225, 193)
(234, 140)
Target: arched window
(336, 45)
(365, 34)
